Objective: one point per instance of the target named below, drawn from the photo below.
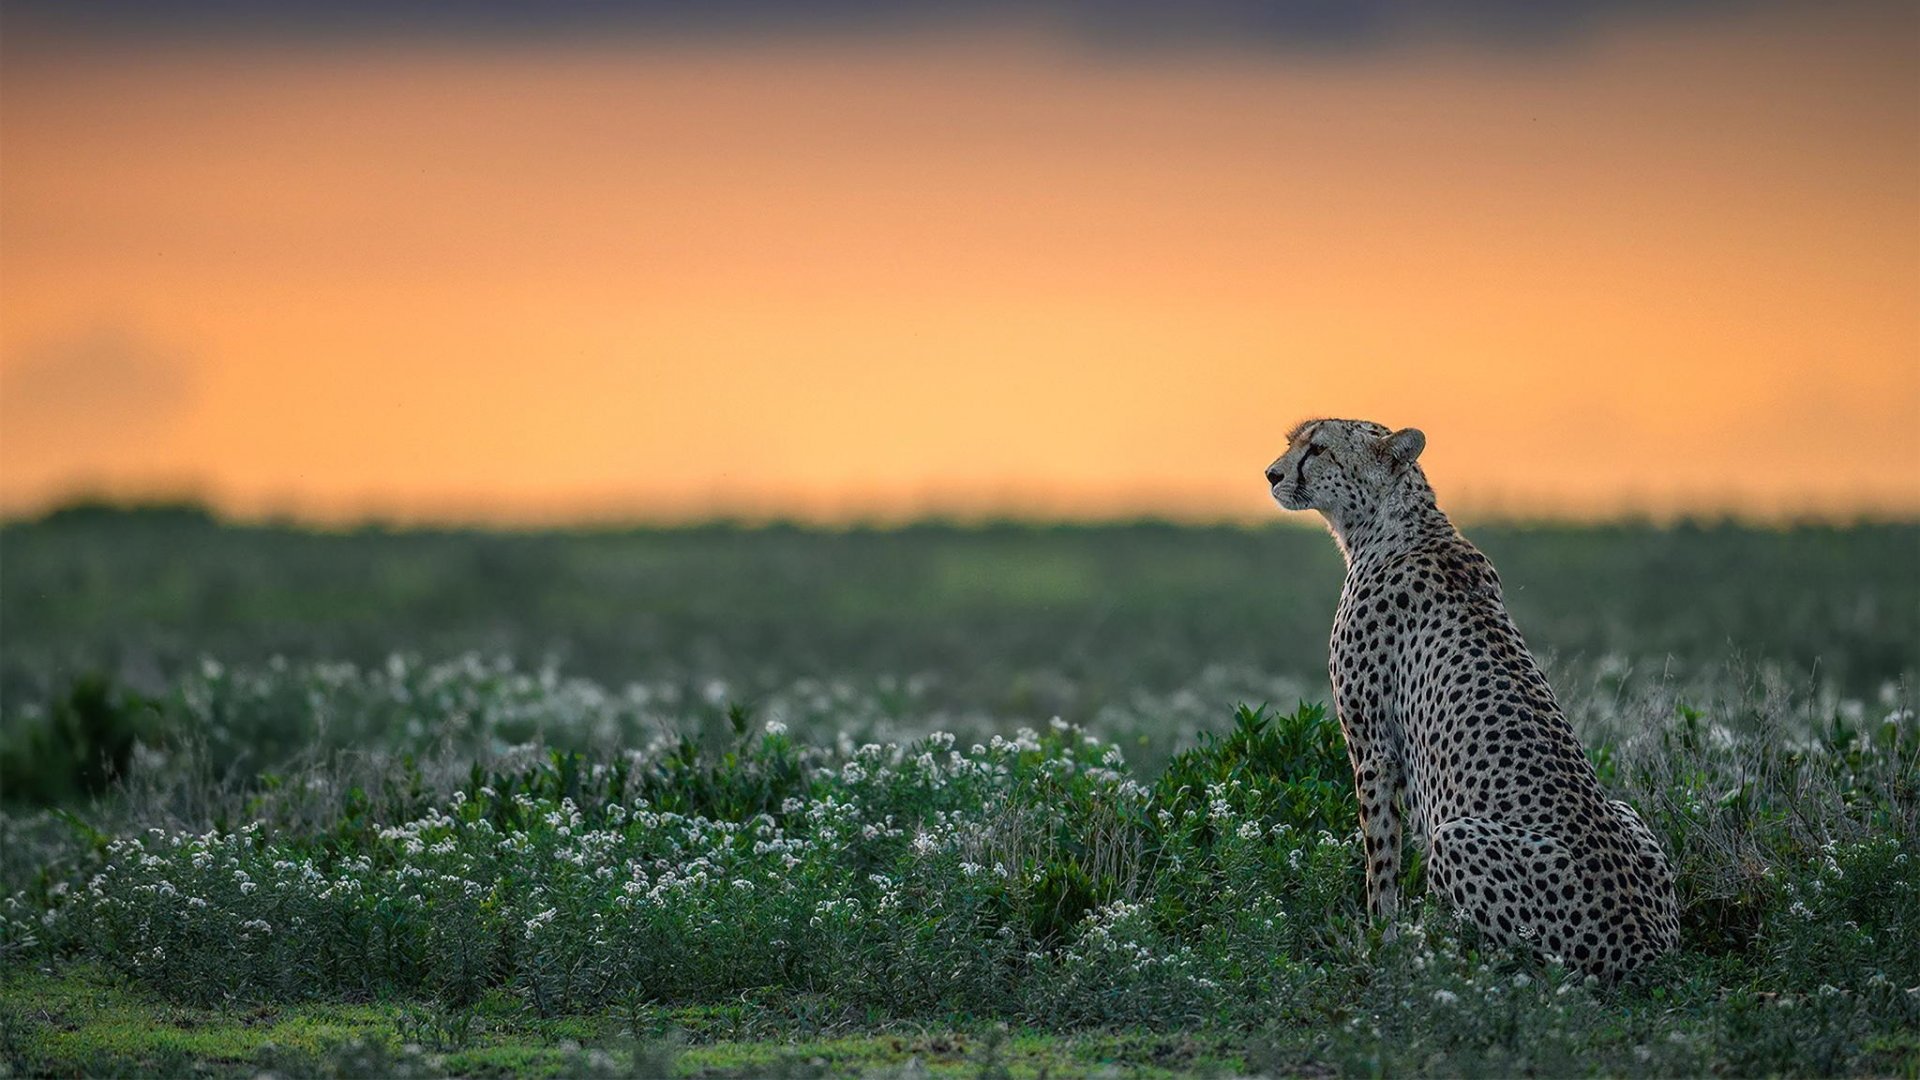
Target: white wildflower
(534, 924)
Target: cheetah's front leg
(1377, 781)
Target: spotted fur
(1448, 718)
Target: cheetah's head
(1341, 468)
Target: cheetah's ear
(1404, 446)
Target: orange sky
(1673, 265)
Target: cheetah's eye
(1312, 449)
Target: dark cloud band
(1310, 25)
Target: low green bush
(78, 747)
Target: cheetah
(1445, 711)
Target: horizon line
(83, 504)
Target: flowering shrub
(1030, 874)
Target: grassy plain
(936, 800)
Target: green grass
(85, 1022)
(1016, 618)
(802, 898)
(740, 802)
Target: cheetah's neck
(1407, 518)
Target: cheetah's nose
(1273, 474)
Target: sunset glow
(1673, 265)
